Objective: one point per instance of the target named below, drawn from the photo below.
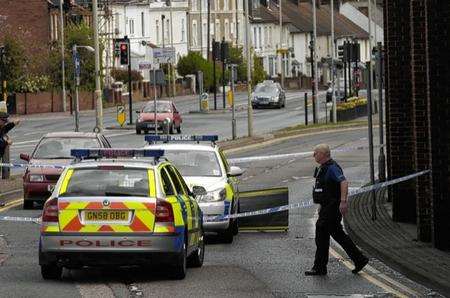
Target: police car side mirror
(198, 191)
(235, 171)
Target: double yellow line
(11, 204)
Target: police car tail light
(164, 211)
(50, 212)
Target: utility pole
(313, 89)
(381, 157)
(370, 40)
(316, 79)
(172, 72)
(76, 63)
(208, 36)
(237, 22)
(370, 132)
(63, 63)
(333, 68)
(249, 71)
(233, 110)
(281, 46)
(130, 88)
(98, 92)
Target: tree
(258, 73)
(122, 75)
(75, 34)
(194, 62)
(14, 62)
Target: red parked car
(167, 116)
(54, 150)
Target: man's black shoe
(313, 272)
(360, 265)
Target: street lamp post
(76, 60)
(249, 71)
(281, 45)
(172, 68)
(63, 66)
(316, 83)
(333, 68)
(98, 92)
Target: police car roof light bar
(98, 153)
(181, 138)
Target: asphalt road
(32, 128)
(255, 264)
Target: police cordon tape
(290, 155)
(304, 204)
(310, 203)
(230, 160)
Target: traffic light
(224, 51)
(216, 50)
(356, 57)
(341, 52)
(124, 59)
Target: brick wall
(400, 131)
(27, 20)
(438, 14)
(421, 116)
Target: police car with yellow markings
(205, 165)
(121, 207)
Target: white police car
(205, 165)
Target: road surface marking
(370, 278)
(11, 204)
(95, 290)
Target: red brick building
(417, 38)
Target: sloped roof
(301, 16)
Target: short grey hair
(324, 148)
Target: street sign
(230, 97)
(164, 55)
(121, 116)
(204, 101)
(145, 65)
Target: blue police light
(181, 138)
(115, 153)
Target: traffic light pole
(130, 91)
(313, 88)
(214, 52)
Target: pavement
(396, 243)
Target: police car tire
(227, 235)
(51, 272)
(180, 268)
(179, 129)
(195, 260)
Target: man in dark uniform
(5, 127)
(330, 191)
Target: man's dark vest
(327, 192)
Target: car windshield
(267, 89)
(108, 182)
(161, 107)
(54, 148)
(195, 163)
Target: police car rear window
(108, 182)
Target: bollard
(306, 108)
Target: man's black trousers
(333, 227)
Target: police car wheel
(180, 268)
(51, 272)
(236, 223)
(195, 260)
(179, 129)
(228, 234)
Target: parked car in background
(167, 117)
(268, 94)
(48, 159)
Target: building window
(166, 35)
(157, 32)
(226, 5)
(270, 36)
(227, 30)
(216, 5)
(217, 30)
(183, 30)
(143, 24)
(259, 37)
(131, 26)
(194, 33)
(194, 5)
(232, 27)
(266, 37)
(204, 33)
(255, 32)
(204, 5)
